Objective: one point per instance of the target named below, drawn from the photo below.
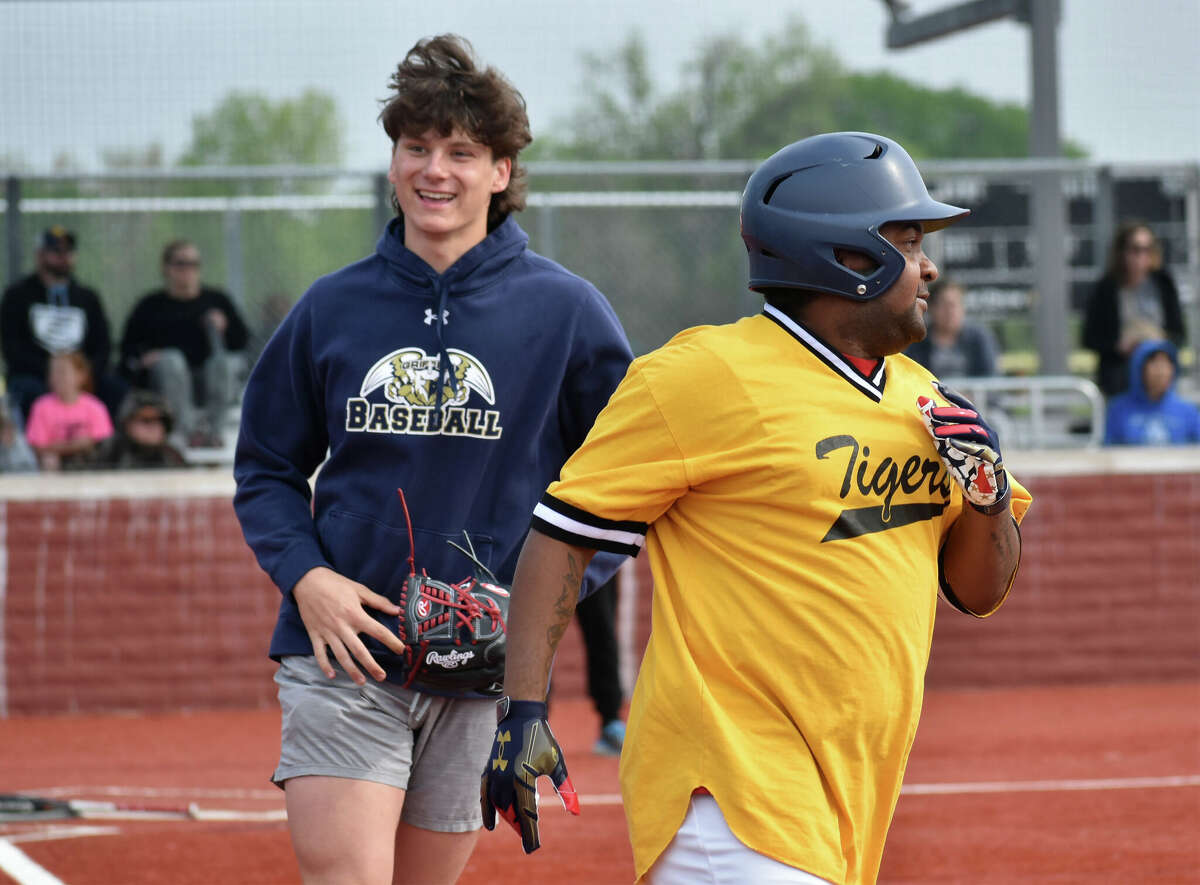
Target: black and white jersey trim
(573, 526)
(872, 386)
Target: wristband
(1001, 503)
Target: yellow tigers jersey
(793, 508)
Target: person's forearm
(980, 558)
(67, 447)
(545, 591)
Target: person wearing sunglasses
(185, 341)
(140, 442)
(1136, 300)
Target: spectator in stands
(1135, 301)
(15, 454)
(954, 345)
(141, 438)
(66, 424)
(1150, 412)
(50, 311)
(185, 341)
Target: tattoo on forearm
(1002, 540)
(564, 606)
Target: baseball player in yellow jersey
(804, 491)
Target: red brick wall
(140, 604)
(154, 602)
(1108, 590)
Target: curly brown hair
(440, 86)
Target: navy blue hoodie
(535, 353)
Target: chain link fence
(659, 239)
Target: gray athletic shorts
(433, 748)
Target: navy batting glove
(523, 750)
(969, 448)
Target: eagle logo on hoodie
(409, 379)
(410, 376)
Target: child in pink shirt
(66, 423)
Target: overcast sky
(81, 75)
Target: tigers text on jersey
(794, 509)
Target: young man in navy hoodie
(453, 363)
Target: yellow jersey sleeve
(626, 474)
(1021, 499)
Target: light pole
(1048, 221)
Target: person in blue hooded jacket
(1151, 413)
(453, 363)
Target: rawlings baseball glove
(454, 635)
(969, 448)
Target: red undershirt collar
(866, 365)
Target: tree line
(735, 100)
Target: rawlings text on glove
(523, 750)
(455, 635)
(969, 448)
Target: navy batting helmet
(830, 192)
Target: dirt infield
(1063, 784)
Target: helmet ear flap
(862, 263)
(868, 271)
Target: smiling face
(443, 186)
(889, 323)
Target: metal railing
(1029, 412)
(659, 239)
(1038, 411)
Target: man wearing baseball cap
(48, 312)
(57, 238)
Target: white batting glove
(969, 448)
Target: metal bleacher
(1039, 411)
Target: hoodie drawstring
(441, 292)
